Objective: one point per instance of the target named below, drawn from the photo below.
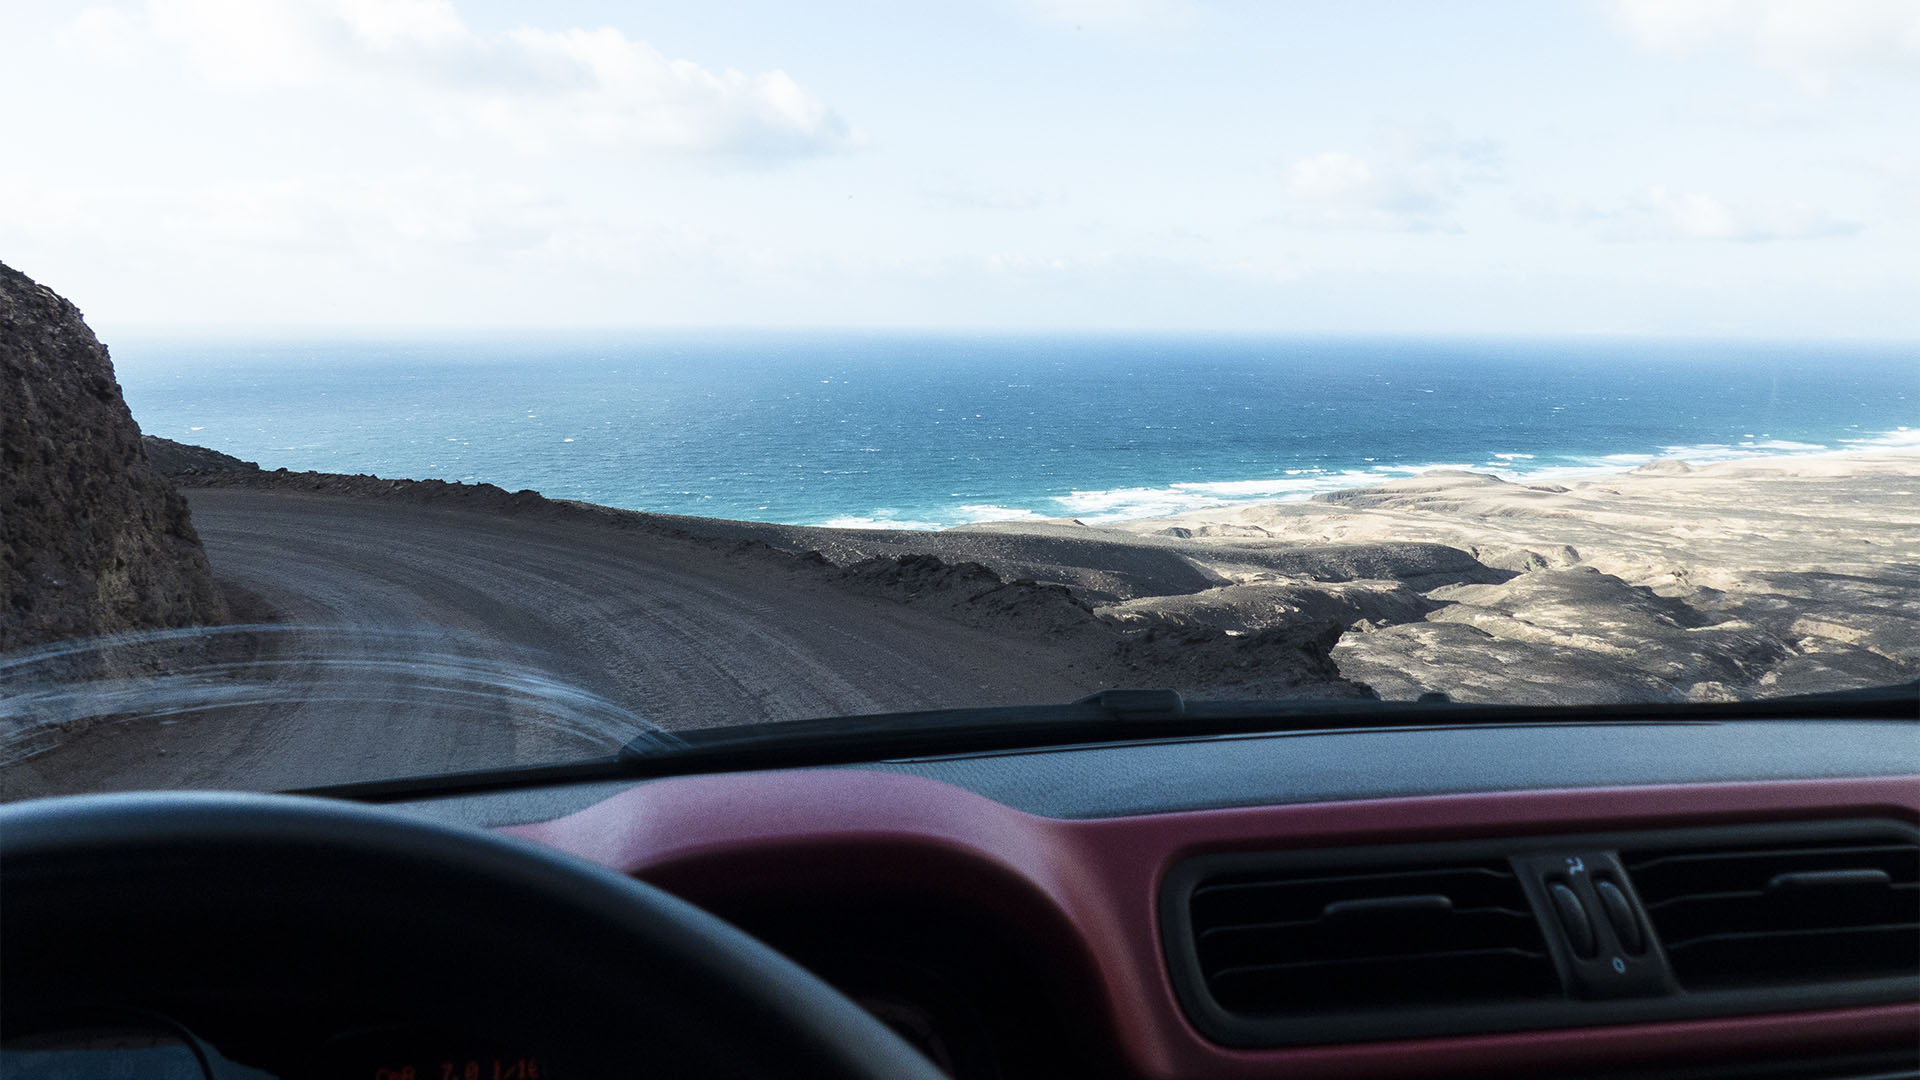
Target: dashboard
(1050, 861)
(1020, 914)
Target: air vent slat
(1685, 918)
(1362, 937)
(1781, 935)
(1464, 912)
(1394, 958)
(1792, 913)
(1401, 979)
(1754, 959)
(1312, 940)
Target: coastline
(927, 432)
(1116, 507)
(1793, 572)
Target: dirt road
(425, 640)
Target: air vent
(1784, 912)
(1404, 941)
(1337, 940)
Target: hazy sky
(1715, 167)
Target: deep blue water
(938, 430)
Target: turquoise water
(936, 430)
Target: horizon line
(370, 332)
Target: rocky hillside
(171, 458)
(92, 538)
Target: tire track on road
(684, 633)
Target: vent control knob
(1626, 926)
(1573, 919)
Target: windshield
(492, 386)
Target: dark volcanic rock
(1417, 566)
(1284, 658)
(975, 595)
(92, 539)
(911, 576)
(182, 459)
(1293, 660)
(1258, 606)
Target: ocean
(932, 430)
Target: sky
(1726, 168)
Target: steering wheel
(274, 912)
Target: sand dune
(1780, 575)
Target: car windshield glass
(492, 386)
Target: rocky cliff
(170, 458)
(92, 538)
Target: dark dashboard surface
(1000, 910)
(1122, 779)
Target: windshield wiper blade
(1138, 704)
(1147, 714)
(1106, 716)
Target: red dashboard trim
(1093, 884)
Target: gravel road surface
(422, 640)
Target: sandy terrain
(1671, 582)
(1787, 575)
(429, 627)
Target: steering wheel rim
(230, 892)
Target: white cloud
(415, 213)
(101, 33)
(1337, 190)
(418, 246)
(536, 88)
(1409, 184)
(1334, 175)
(1807, 38)
(1661, 213)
